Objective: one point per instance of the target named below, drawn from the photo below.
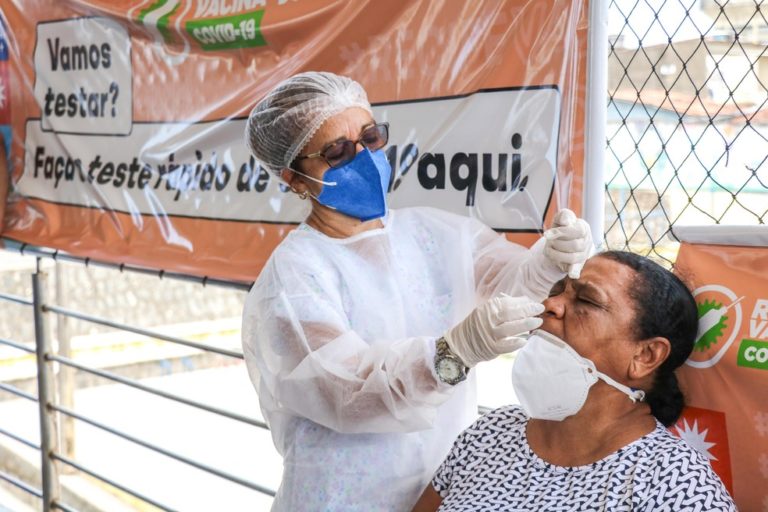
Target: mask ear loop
(636, 395)
(324, 183)
(306, 193)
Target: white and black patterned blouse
(491, 467)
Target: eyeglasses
(338, 153)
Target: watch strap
(443, 351)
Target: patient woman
(590, 434)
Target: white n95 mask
(552, 380)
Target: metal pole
(50, 481)
(66, 376)
(596, 119)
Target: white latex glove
(493, 328)
(569, 243)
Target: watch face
(448, 369)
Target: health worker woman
(360, 331)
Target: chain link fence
(687, 135)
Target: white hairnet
(282, 123)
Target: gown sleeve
(504, 266)
(302, 353)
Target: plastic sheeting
(125, 119)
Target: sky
(671, 13)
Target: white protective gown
(339, 339)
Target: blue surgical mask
(358, 188)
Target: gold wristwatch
(448, 367)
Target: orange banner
(126, 118)
(726, 378)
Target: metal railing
(51, 457)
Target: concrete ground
(227, 445)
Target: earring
(302, 195)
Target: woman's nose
(554, 306)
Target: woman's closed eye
(590, 301)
